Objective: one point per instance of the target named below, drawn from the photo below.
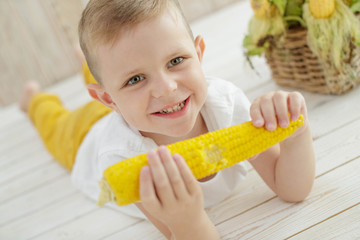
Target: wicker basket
(294, 65)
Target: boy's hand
(273, 108)
(287, 168)
(171, 194)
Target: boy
(148, 68)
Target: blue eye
(175, 61)
(135, 80)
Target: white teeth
(173, 109)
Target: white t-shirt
(112, 140)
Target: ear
(200, 47)
(98, 93)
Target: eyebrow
(132, 73)
(175, 53)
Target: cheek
(131, 116)
(132, 110)
(199, 83)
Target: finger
(268, 112)
(160, 179)
(303, 110)
(255, 113)
(281, 108)
(173, 173)
(189, 179)
(147, 190)
(296, 103)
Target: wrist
(200, 228)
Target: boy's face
(152, 76)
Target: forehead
(154, 38)
(167, 24)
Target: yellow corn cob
(205, 155)
(321, 8)
(263, 9)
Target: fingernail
(145, 169)
(294, 117)
(151, 154)
(270, 126)
(177, 157)
(283, 123)
(162, 149)
(258, 123)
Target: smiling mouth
(173, 109)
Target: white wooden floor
(37, 200)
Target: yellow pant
(62, 131)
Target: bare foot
(30, 89)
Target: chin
(179, 133)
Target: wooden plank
(48, 216)
(34, 201)
(36, 44)
(195, 9)
(253, 192)
(10, 114)
(12, 131)
(51, 46)
(67, 15)
(341, 226)
(16, 54)
(15, 135)
(63, 16)
(218, 4)
(139, 231)
(30, 181)
(337, 147)
(107, 221)
(27, 149)
(27, 163)
(278, 220)
(341, 111)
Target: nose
(163, 85)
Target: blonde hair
(103, 20)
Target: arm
(287, 168)
(172, 199)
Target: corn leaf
(294, 8)
(281, 5)
(355, 6)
